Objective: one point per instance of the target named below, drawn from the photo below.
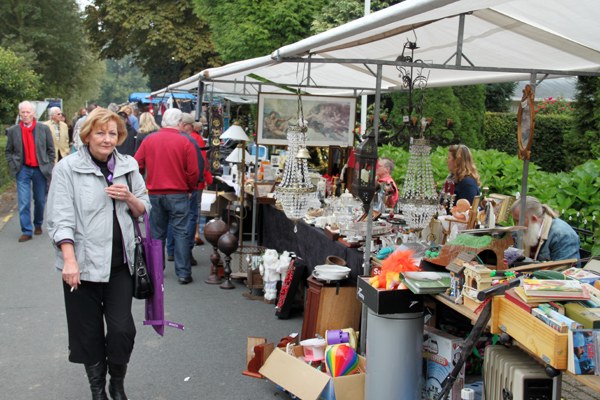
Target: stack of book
(426, 282)
(551, 317)
(535, 291)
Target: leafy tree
(584, 140)
(338, 12)
(17, 83)
(166, 39)
(121, 79)
(49, 36)
(498, 96)
(243, 29)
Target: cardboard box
(307, 382)
(440, 352)
(388, 301)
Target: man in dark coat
(30, 156)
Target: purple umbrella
(155, 306)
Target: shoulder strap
(136, 224)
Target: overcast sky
(83, 3)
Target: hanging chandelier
(296, 191)
(419, 198)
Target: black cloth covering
(309, 243)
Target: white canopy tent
(461, 42)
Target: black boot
(97, 376)
(116, 386)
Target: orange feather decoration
(398, 261)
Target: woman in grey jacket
(90, 205)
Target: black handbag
(142, 285)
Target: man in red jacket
(30, 157)
(171, 166)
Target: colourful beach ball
(341, 360)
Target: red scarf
(29, 145)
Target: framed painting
(502, 205)
(330, 119)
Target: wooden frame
(526, 123)
(502, 206)
(330, 119)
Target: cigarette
(72, 288)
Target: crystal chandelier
(419, 198)
(296, 191)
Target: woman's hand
(70, 273)
(119, 191)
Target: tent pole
(254, 202)
(459, 40)
(367, 251)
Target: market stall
(461, 42)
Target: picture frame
(275, 161)
(502, 206)
(330, 119)
(526, 123)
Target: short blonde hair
(147, 123)
(102, 116)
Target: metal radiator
(511, 374)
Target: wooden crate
(534, 335)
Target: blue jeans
(173, 210)
(191, 225)
(29, 178)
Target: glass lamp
(365, 166)
(296, 190)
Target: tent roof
(503, 40)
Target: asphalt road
(205, 361)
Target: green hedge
(549, 150)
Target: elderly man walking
(60, 133)
(171, 166)
(30, 156)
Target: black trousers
(89, 307)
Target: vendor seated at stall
(385, 166)
(547, 238)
